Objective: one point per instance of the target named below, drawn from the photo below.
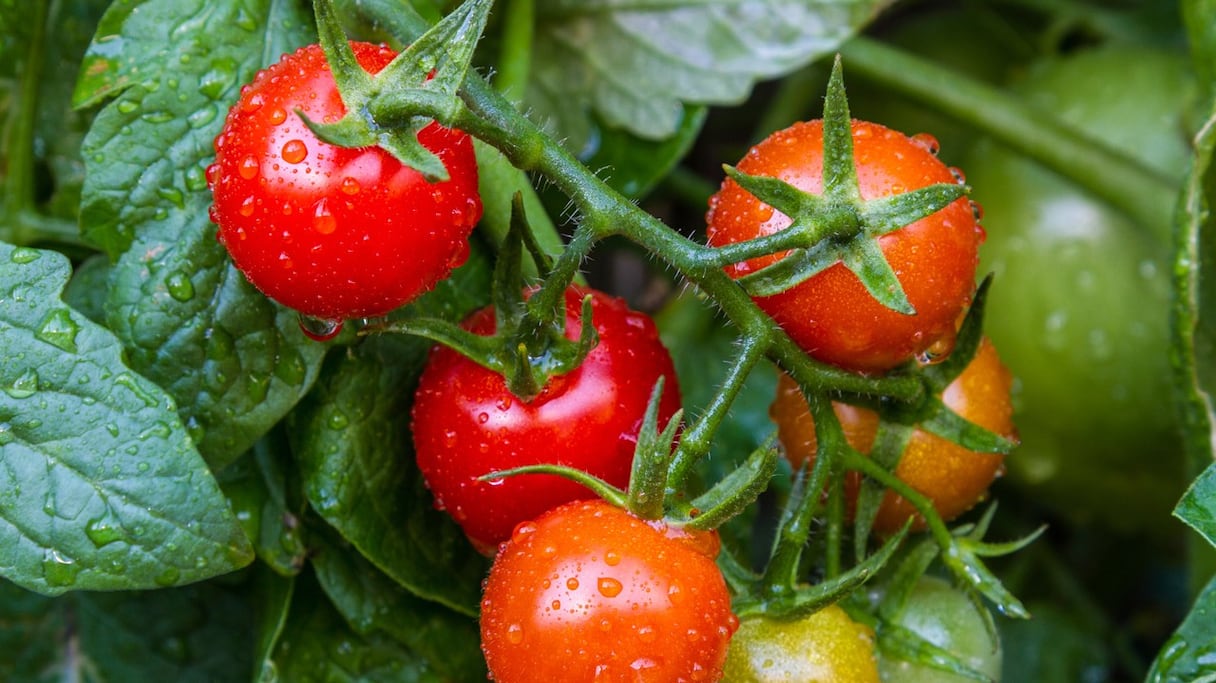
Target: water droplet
(180, 287)
(127, 107)
(218, 79)
(158, 116)
(248, 167)
(6, 433)
(338, 420)
(291, 367)
(159, 430)
(24, 255)
(276, 116)
(170, 576)
(647, 634)
(294, 151)
(58, 569)
(503, 403)
(483, 418)
(196, 178)
(351, 186)
(515, 634)
(58, 329)
(133, 385)
(927, 141)
(103, 533)
(24, 386)
(522, 531)
(319, 329)
(572, 583)
(248, 206)
(958, 174)
(322, 220)
(609, 587)
(201, 117)
(252, 104)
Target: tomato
(334, 232)
(949, 474)
(467, 423)
(589, 592)
(945, 616)
(1081, 295)
(831, 315)
(825, 647)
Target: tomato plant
(334, 232)
(954, 477)
(832, 315)
(822, 647)
(184, 471)
(588, 592)
(467, 423)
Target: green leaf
(273, 595)
(100, 485)
(1190, 654)
(316, 645)
(352, 443)
(638, 65)
(234, 362)
(1198, 505)
(369, 601)
(265, 497)
(633, 165)
(194, 634)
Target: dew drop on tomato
(351, 186)
(522, 531)
(927, 141)
(247, 206)
(319, 329)
(294, 151)
(277, 116)
(609, 587)
(322, 220)
(252, 104)
(515, 634)
(248, 168)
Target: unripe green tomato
(1079, 304)
(825, 647)
(946, 617)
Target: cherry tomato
(946, 617)
(588, 592)
(831, 315)
(467, 423)
(334, 232)
(952, 476)
(825, 647)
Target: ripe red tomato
(824, 647)
(467, 423)
(334, 232)
(831, 315)
(589, 592)
(952, 476)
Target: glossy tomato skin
(590, 593)
(1080, 301)
(825, 647)
(952, 476)
(946, 617)
(467, 423)
(334, 232)
(831, 315)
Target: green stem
(1125, 184)
(695, 441)
(19, 179)
(515, 58)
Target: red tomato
(588, 592)
(334, 232)
(831, 315)
(952, 476)
(466, 423)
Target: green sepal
(951, 426)
(865, 258)
(900, 643)
(887, 214)
(648, 478)
(737, 490)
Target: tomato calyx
(837, 226)
(418, 86)
(649, 495)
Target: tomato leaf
(100, 486)
(196, 633)
(371, 602)
(351, 440)
(1194, 329)
(273, 595)
(1190, 654)
(316, 645)
(639, 65)
(189, 320)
